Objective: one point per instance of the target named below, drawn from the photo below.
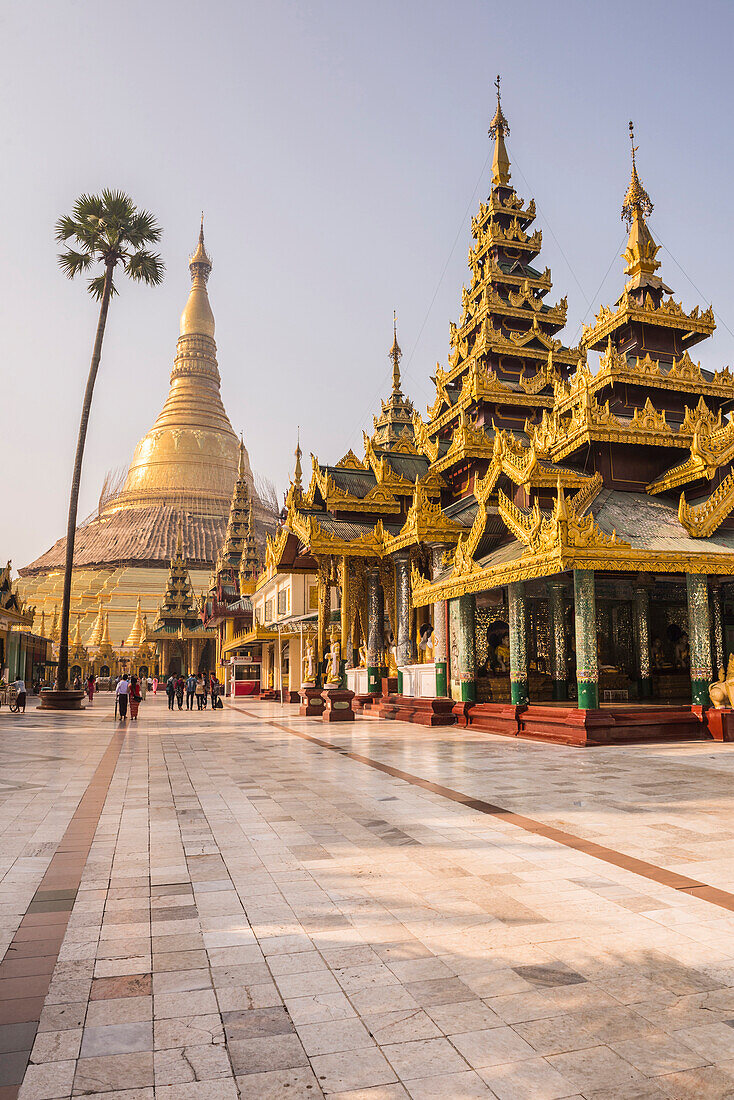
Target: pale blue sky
(335, 148)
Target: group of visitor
(128, 689)
(201, 687)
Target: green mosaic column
(375, 620)
(558, 657)
(642, 634)
(699, 637)
(518, 644)
(402, 611)
(717, 615)
(467, 653)
(587, 674)
(440, 641)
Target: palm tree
(105, 229)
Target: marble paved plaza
(248, 903)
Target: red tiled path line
(30, 960)
(640, 867)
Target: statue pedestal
(61, 700)
(720, 723)
(338, 705)
(312, 703)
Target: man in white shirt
(122, 690)
(19, 686)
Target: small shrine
(183, 642)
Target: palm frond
(145, 267)
(71, 263)
(108, 227)
(96, 287)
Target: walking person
(143, 684)
(122, 690)
(180, 685)
(155, 685)
(206, 688)
(134, 697)
(20, 697)
(214, 685)
(170, 691)
(200, 692)
(91, 687)
(190, 691)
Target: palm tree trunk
(63, 669)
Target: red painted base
(270, 696)
(425, 712)
(721, 724)
(570, 726)
(359, 702)
(338, 705)
(501, 718)
(312, 704)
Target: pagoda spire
(396, 355)
(234, 538)
(498, 131)
(197, 318)
(78, 631)
(135, 636)
(641, 251)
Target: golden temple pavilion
(182, 473)
(545, 554)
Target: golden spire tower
(192, 447)
(182, 474)
(641, 251)
(498, 131)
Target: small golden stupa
(181, 475)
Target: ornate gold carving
(700, 521)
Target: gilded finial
(395, 354)
(200, 262)
(637, 202)
(498, 131)
(298, 472)
(241, 466)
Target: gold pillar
(345, 612)
(324, 591)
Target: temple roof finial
(637, 202)
(179, 539)
(298, 472)
(498, 131)
(200, 257)
(241, 466)
(395, 354)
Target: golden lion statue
(721, 693)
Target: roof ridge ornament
(499, 129)
(637, 202)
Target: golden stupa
(182, 472)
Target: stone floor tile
(354, 1069)
(491, 1047)
(462, 1016)
(177, 1065)
(595, 1068)
(117, 1039)
(262, 1054)
(218, 1089)
(199, 1002)
(709, 1082)
(295, 1084)
(185, 1031)
(47, 1081)
(532, 1077)
(116, 1071)
(423, 1058)
(401, 1027)
(714, 1041)
(56, 1046)
(334, 1036)
(466, 1085)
